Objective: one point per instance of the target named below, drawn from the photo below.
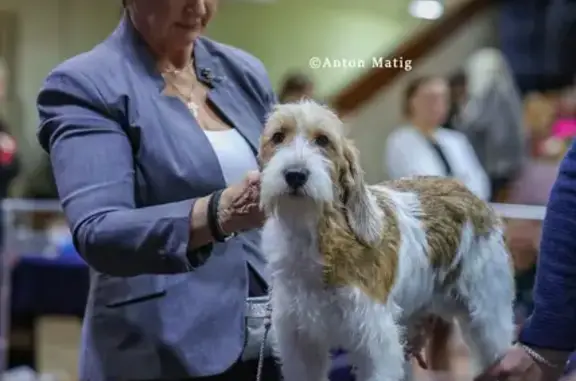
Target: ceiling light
(426, 9)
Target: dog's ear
(362, 211)
(264, 151)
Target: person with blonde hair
(492, 117)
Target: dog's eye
(322, 140)
(278, 138)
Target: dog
(358, 267)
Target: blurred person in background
(564, 126)
(563, 129)
(458, 96)
(492, 118)
(9, 167)
(540, 111)
(424, 147)
(296, 86)
(153, 136)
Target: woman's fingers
(516, 365)
(253, 178)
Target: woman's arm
(93, 167)
(553, 323)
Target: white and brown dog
(356, 266)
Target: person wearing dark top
(458, 88)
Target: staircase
(371, 105)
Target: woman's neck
(426, 129)
(176, 60)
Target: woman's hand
(518, 365)
(240, 205)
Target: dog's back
(446, 207)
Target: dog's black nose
(296, 178)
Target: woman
(492, 118)
(295, 87)
(152, 138)
(424, 148)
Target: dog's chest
(322, 311)
(298, 280)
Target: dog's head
(308, 164)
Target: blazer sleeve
(92, 160)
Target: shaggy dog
(358, 267)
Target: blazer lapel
(222, 95)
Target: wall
(371, 124)
(288, 33)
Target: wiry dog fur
(356, 266)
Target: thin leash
(267, 325)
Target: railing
(415, 48)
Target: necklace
(169, 77)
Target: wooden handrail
(415, 48)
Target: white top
(234, 154)
(408, 153)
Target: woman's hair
(413, 86)
(294, 83)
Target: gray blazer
(129, 163)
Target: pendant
(193, 107)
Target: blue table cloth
(57, 286)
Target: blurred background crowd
(491, 100)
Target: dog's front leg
(379, 356)
(302, 358)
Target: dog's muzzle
(296, 178)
